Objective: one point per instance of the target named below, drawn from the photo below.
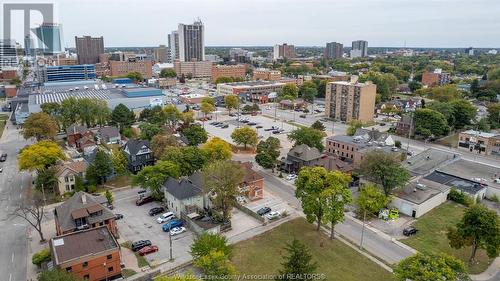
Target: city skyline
(448, 24)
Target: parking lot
(271, 201)
(138, 225)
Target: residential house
(185, 196)
(80, 137)
(108, 135)
(83, 211)
(67, 173)
(300, 156)
(92, 254)
(253, 182)
(139, 154)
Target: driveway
(138, 225)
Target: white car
(291, 177)
(177, 230)
(165, 217)
(273, 215)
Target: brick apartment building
(266, 74)
(346, 101)
(92, 254)
(435, 78)
(121, 68)
(234, 71)
(194, 69)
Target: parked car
(3, 157)
(144, 200)
(275, 132)
(382, 124)
(165, 217)
(273, 215)
(224, 126)
(156, 210)
(268, 129)
(148, 250)
(137, 245)
(251, 123)
(1, 170)
(302, 116)
(118, 216)
(263, 211)
(291, 177)
(172, 224)
(177, 230)
(409, 231)
(258, 127)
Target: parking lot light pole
(170, 242)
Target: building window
(110, 269)
(68, 269)
(85, 264)
(86, 277)
(109, 257)
(66, 179)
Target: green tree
(122, 117)
(268, 152)
(444, 93)
(494, 114)
(478, 228)
(135, 76)
(160, 142)
(297, 263)
(385, 169)
(57, 275)
(187, 118)
(318, 126)
(353, 126)
(245, 135)
(152, 177)
(47, 179)
(149, 130)
(494, 74)
(217, 149)
(69, 111)
(100, 168)
(195, 135)
(119, 161)
(189, 159)
(221, 180)
(207, 106)
(463, 112)
(288, 92)
(308, 136)
(336, 196)
(308, 91)
(232, 102)
(39, 156)
(414, 85)
(207, 242)
(216, 265)
(109, 196)
(311, 183)
(386, 83)
(40, 125)
(168, 73)
(422, 267)
(370, 200)
(429, 122)
(444, 108)
(173, 115)
(53, 109)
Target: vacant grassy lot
(449, 141)
(431, 236)
(263, 254)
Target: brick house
(253, 183)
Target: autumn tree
(40, 125)
(245, 135)
(217, 149)
(160, 142)
(207, 242)
(172, 115)
(207, 106)
(39, 156)
(231, 102)
(119, 161)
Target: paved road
(13, 184)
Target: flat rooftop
(254, 83)
(485, 174)
(479, 134)
(463, 184)
(421, 191)
(429, 160)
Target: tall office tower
(88, 49)
(28, 46)
(8, 54)
(50, 38)
(283, 51)
(334, 50)
(359, 49)
(191, 41)
(160, 54)
(173, 44)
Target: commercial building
(239, 55)
(173, 45)
(333, 50)
(65, 73)
(266, 74)
(121, 68)
(479, 142)
(161, 54)
(92, 254)
(8, 54)
(191, 41)
(88, 49)
(283, 51)
(50, 38)
(255, 91)
(193, 69)
(346, 101)
(435, 78)
(359, 49)
(234, 71)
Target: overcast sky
(421, 23)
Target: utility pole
(362, 231)
(170, 241)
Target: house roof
(76, 167)
(305, 152)
(135, 145)
(74, 129)
(182, 189)
(87, 243)
(109, 132)
(81, 204)
(250, 174)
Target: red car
(147, 250)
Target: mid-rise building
(50, 38)
(173, 45)
(346, 101)
(88, 49)
(161, 54)
(435, 78)
(359, 49)
(65, 73)
(233, 71)
(191, 41)
(333, 50)
(266, 74)
(193, 69)
(470, 51)
(121, 68)
(239, 55)
(8, 54)
(283, 51)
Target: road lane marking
(10, 277)
(12, 258)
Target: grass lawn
(120, 181)
(3, 120)
(141, 261)
(128, 272)
(431, 235)
(449, 141)
(263, 254)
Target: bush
(460, 197)
(41, 257)
(494, 198)
(91, 189)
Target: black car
(251, 123)
(258, 127)
(156, 210)
(224, 126)
(276, 132)
(302, 116)
(3, 157)
(409, 231)
(268, 129)
(144, 200)
(118, 216)
(263, 211)
(137, 245)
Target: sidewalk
(34, 246)
(490, 273)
